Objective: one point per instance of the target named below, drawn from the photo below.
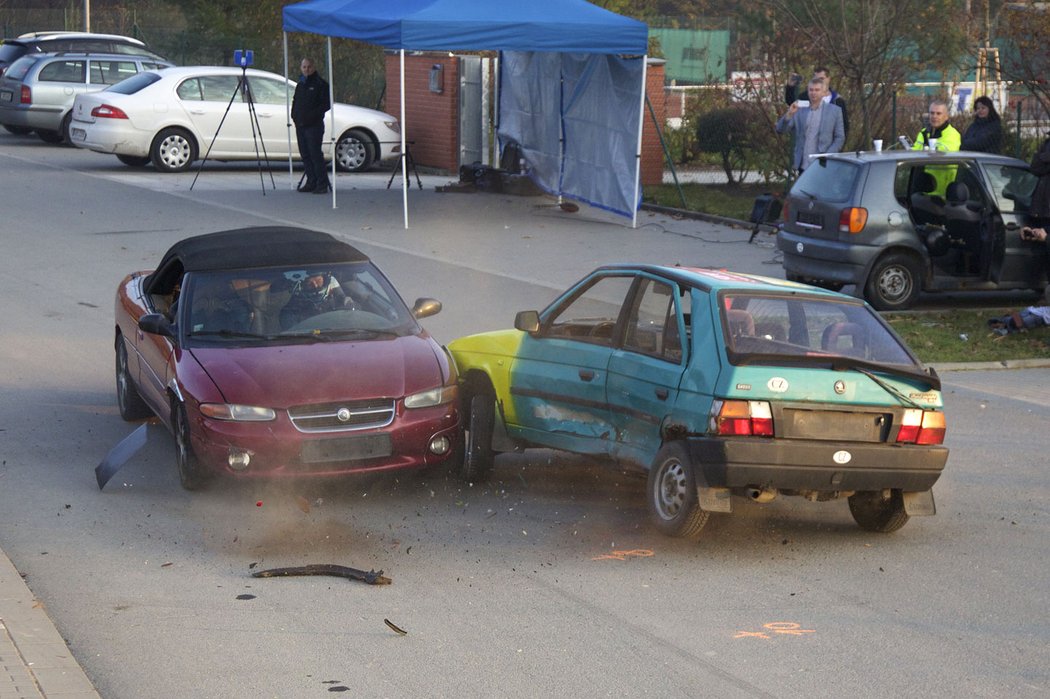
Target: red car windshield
(285, 304)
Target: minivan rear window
(827, 180)
(135, 83)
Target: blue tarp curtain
(597, 97)
(565, 95)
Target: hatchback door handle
(586, 374)
(661, 393)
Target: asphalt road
(546, 581)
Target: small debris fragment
(258, 503)
(245, 596)
(396, 629)
(166, 565)
(303, 503)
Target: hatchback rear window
(827, 180)
(134, 83)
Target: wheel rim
(671, 490)
(350, 153)
(122, 376)
(182, 440)
(894, 283)
(175, 152)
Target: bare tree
(870, 46)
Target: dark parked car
(899, 222)
(282, 352)
(718, 384)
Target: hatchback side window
(652, 324)
(111, 72)
(591, 315)
(62, 72)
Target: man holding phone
(817, 125)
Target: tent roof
(569, 26)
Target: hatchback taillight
(742, 418)
(27, 95)
(921, 427)
(106, 111)
(853, 219)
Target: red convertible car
(282, 352)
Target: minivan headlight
(435, 396)
(238, 413)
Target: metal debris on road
(396, 628)
(372, 577)
(120, 454)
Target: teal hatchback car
(717, 384)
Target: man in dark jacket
(1039, 213)
(309, 105)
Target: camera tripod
(245, 88)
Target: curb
(35, 661)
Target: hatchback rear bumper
(830, 260)
(814, 465)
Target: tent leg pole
(404, 144)
(288, 114)
(331, 112)
(638, 152)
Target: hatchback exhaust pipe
(762, 494)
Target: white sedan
(173, 116)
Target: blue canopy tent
(572, 79)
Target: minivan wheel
(894, 282)
(674, 507)
(67, 137)
(478, 455)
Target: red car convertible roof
(245, 248)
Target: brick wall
(432, 118)
(652, 152)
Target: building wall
(433, 118)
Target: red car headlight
(239, 413)
(432, 397)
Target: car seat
(740, 323)
(926, 208)
(963, 217)
(850, 339)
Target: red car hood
(287, 375)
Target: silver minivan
(37, 90)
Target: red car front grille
(343, 416)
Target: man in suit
(817, 126)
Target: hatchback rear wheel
(894, 282)
(673, 503)
(879, 510)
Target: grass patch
(938, 336)
(729, 200)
